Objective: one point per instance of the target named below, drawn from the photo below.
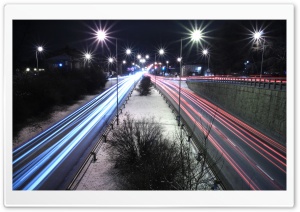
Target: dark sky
(143, 36)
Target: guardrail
(92, 156)
(218, 184)
(266, 83)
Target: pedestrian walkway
(100, 174)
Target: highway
(50, 160)
(249, 159)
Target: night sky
(221, 37)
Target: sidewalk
(99, 176)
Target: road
(246, 158)
(50, 160)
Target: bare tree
(197, 160)
(145, 160)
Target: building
(65, 59)
(195, 70)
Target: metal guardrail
(266, 83)
(218, 184)
(92, 156)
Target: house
(66, 59)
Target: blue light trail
(36, 163)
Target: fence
(266, 83)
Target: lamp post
(88, 57)
(196, 36)
(206, 53)
(101, 37)
(39, 49)
(161, 53)
(167, 62)
(179, 96)
(258, 37)
(124, 62)
(117, 81)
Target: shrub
(145, 86)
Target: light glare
(196, 35)
(101, 35)
(40, 49)
(257, 35)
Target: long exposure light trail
(36, 161)
(248, 151)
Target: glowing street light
(128, 51)
(196, 35)
(206, 53)
(167, 62)
(179, 90)
(39, 49)
(258, 36)
(110, 60)
(101, 35)
(87, 57)
(161, 51)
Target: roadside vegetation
(145, 160)
(145, 86)
(35, 95)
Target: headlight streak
(233, 126)
(37, 158)
(57, 128)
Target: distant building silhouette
(66, 59)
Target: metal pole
(208, 63)
(179, 81)
(155, 69)
(262, 57)
(37, 60)
(117, 82)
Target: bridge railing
(266, 83)
(92, 157)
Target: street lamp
(88, 57)
(128, 51)
(161, 53)
(142, 61)
(124, 62)
(101, 36)
(111, 60)
(117, 81)
(39, 49)
(258, 36)
(206, 53)
(196, 35)
(167, 62)
(179, 99)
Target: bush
(143, 158)
(145, 86)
